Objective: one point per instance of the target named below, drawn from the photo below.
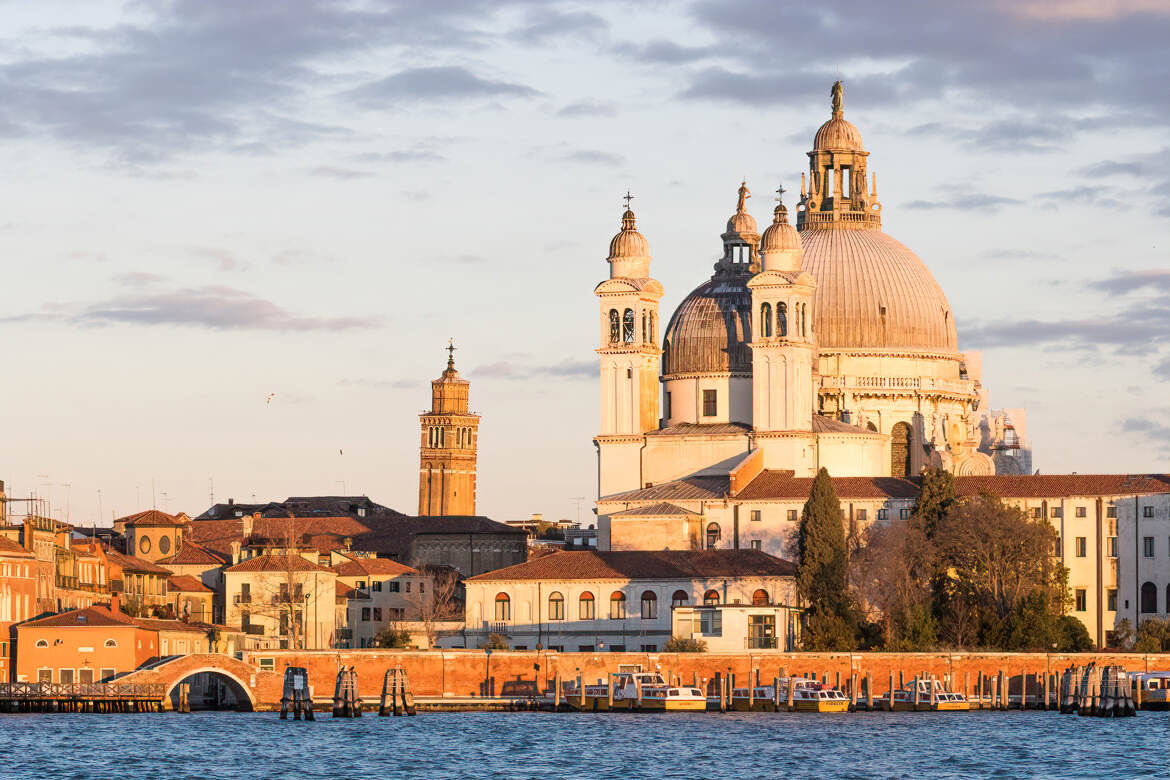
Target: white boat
(807, 696)
(943, 701)
(634, 691)
(1155, 689)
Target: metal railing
(48, 690)
(760, 642)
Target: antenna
(211, 490)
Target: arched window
(803, 320)
(556, 607)
(766, 320)
(645, 328)
(587, 607)
(649, 606)
(615, 327)
(503, 607)
(713, 534)
(111, 643)
(42, 643)
(1168, 597)
(680, 598)
(710, 598)
(871, 426)
(1149, 598)
(628, 326)
(617, 606)
(653, 328)
(760, 598)
(782, 319)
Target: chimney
(231, 502)
(27, 537)
(115, 604)
(248, 524)
(235, 553)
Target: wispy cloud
(981, 202)
(380, 384)
(513, 370)
(449, 82)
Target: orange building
(152, 534)
(449, 438)
(18, 597)
(189, 598)
(85, 645)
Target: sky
(205, 202)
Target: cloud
(1017, 254)
(1022, 136)
(137, 278)
(1162, 369)
(1155, 433)
(301, 258)
(381, 384)
(587, 108)
(593, 157)
(665, 52)
(514, 371)
(981, 202)
(434, 83)
(343, 174)
(1130, 281)
(545, 24)
(225, 260)
(214, 307)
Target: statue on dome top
(837, 93)
(744, 194)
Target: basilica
(820, 343)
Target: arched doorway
(900, 450)
(213, 690)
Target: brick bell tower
(450, 434)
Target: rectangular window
(793, 515)
(755, 515)
(1112, 546)
(45, 675)
(85, 675)
(267, 664)
(366, 614)
(584, 648)
(883, 514)
(245, 592)
(904, 513)
(106, 675)
(711, 622)
(408, 586)
(67, 676)
(376, 586)
(1082, 600)
(1080, 511)
(860, 514)
(1111, 599)
(617, 648)
(710, 403)
(756, 545)
(1037, 512)
(1148, 511)
(649, 648)
(557, 648)
(1148, 546)
(1057, 511)
(393, 587)
(666, 404)
(1111, 511)
(377, 614)
(1082, 545)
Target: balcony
(760, 642)
(254, 630)
(242, 598)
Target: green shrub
(678, 644)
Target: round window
(164, 544)
(144, 545)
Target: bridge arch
(239, 689)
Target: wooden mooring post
(397, 698)
(347, 703)
(295, 697)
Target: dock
(110, 697)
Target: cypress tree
(821, 577)
(935, 498)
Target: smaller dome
(837, 134)
(629, 242)
(780, 235)
(742, 222)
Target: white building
(589, 601)
(379, 592)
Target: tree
(436, 599)
(496, 642)
(1123, 634)
(934, 500)
(392, 635)
(1153, 636)
(822, 575)
(1073, 636)
(893, 572)
(678, 644)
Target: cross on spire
(627, 199)
(450, 353)
(780, 193)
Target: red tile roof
(276, 563)
(644, 565)
(1064, 485)
(130, 563)
(153, 517)
(360, 567)
(187, 584)
(346, 592)
(660, 509)
(701, 429)
(11, 549)
(194, 554)
(152, 624)
(78, 618)
(781, 485)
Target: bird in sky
(268, 398)
(340, 452)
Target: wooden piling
(869, 692)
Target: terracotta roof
(347, 592)
(359, 567)
(701, 429)
(152, 624)
(10, 548)
(194, 554)
(130, 563)
(303, 506)
(1064, 485)
(661, 509)
(644, 565)
(781, 485)
(90, 616)
(153, 517)
(188, 584)
(276, 563)
(681, 489)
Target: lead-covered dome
(710, 330)
(874, 293)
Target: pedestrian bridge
(218, 681)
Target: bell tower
(449, 438)
(629, 356)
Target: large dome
(874, 293)
(710, 330)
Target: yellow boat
(636, 691)
(944, 700)
(807, 696)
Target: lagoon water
(573, 745)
